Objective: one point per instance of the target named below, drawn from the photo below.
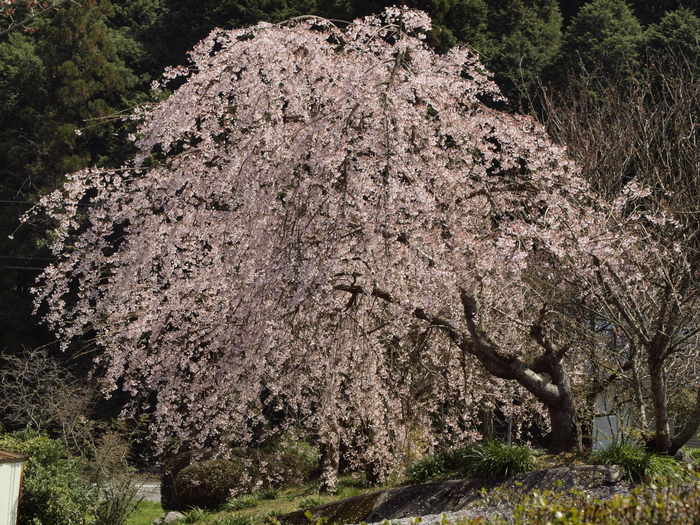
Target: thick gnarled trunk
(565, 433)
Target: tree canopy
(307, 200)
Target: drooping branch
(478, 344)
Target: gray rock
(683, 456)
(613, 474)
(170, 517)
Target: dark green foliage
(694, 454)
(53, 491)
(70, 74)
(603, 40)
(631, 457)
(438, 465)
(639, 465)
(650, 12)
(268, 494)
(209, 484)
(427, 468)
(495, 460)
(678, 35)
(524, 38)
(490, 459)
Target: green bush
(631, 457)
(493, 459)
(268, 494)
(438, 465)
(639, 465)
(208, 484)
(246, 501)
(429, 467)
(53, 492)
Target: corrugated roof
(10, 457)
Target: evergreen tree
(524, 38)
(64, 76)
(651, 12)
(603, 40)
(678, 35)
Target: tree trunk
(487, 427)
(662, 440)
(565, 433)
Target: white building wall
(10, 478)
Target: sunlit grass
(145, 513)
(261, 508)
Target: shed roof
(10, 457)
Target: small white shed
(10, 481)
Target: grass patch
(145, 513)
(197, 515)
(639, 465)
(259, 508)
(246, 501)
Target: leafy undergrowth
(673, 504)
(490, 459)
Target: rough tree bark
(545, 377)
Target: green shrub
(639, 465)
(53, 491)
(246, 501)
(208, 484)
(493, 459)
(429, 467)
(195, 514)
(631, 457)
(309, 503)
(268, 494)
(665, 468)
